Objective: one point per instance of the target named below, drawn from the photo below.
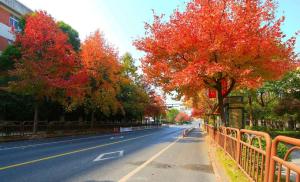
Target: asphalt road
(149, 155)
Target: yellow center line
(69, 153)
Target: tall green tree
(171, 115)
(7, 60)
(289, 98)
(275, 103)
(128, 68)
(8, 56)
(132, 95)
(133, 99)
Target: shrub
(258, 128)
(281, 149)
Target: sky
(122, 21)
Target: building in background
(10, 13)
(179, 106)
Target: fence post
(272, 162)
(238, 146)
(22, 129)
(268, 156)
(214, 133)
(283, 161)
(225, 139)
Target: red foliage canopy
(182, 117)
(198, 112)
(100, 61)
(235, 40)
(156, 105)
(48, 61)
(239, 41)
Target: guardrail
(256, 154)
(25, 128)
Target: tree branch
(232, 84)
(261, 99)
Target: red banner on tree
(224, 86)
(212, 93)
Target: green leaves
(276, 102)
(128, 68)
(72, 34)
(171, 115)
(8, 57)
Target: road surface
(149, 155)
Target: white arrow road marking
(110, 155)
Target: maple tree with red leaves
(100, 61)
(182, 117)
(202, 104)
(47, 66)
(197, 112)
(239, 41)
(156, 106)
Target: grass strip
(231, 168)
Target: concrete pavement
(109, 158)
(186, 160)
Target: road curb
(187, 131)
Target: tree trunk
(93, 119)
(291, 124)
(219, 87)
(250, 111)
(2, 114)
(221, 106)
(36, 117)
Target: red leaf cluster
(237, 41)
(48, 61)
(100, 62)
(156, 105)
(182, 117)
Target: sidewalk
(187, 160)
